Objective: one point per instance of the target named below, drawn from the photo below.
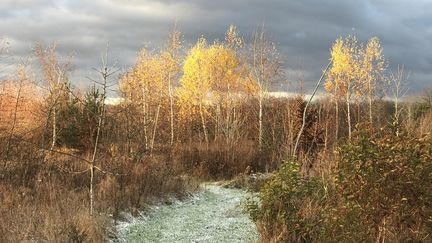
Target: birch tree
(171, 59)
(265, 69)
(214, 74)
(196, 83)
(55, 78)
(372, 71)
(398, 81)
(230, 82)
(342, 78)
(144, 85)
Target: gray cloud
(303, 29)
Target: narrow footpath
(215, 215)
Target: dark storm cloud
(303, 29)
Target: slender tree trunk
(370, 109)
(289, 137)
(337, 120)
(337, 113)
(154, 129)
(203, 123)
(171, 110)
(128, 136)
(54, 127)
(348, 115)
(56, 90)
(228, 119)
(105, 72)
(93, 160)
(218, 126)
(260, 122)
(396, 119)
(91, 188)
(305, 110)
(92, 164)
(45, 130)
(144, 110)
(370, 100)
(326, 128)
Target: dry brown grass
(43, 200)
(425, 124)
(217, 161)
(48, 213)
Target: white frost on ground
(214, 215)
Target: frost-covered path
(212, 216)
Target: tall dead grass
(45, 198)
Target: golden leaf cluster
(356, 68)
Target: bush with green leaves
(387, 181)
(381, 190)
(285, 211)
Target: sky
(304, 30)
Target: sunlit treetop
(355, 67)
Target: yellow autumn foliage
(373, 66)
(356, 68)
(144, 79)
(345, 70)
(210, 71)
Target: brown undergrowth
(45, 196)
